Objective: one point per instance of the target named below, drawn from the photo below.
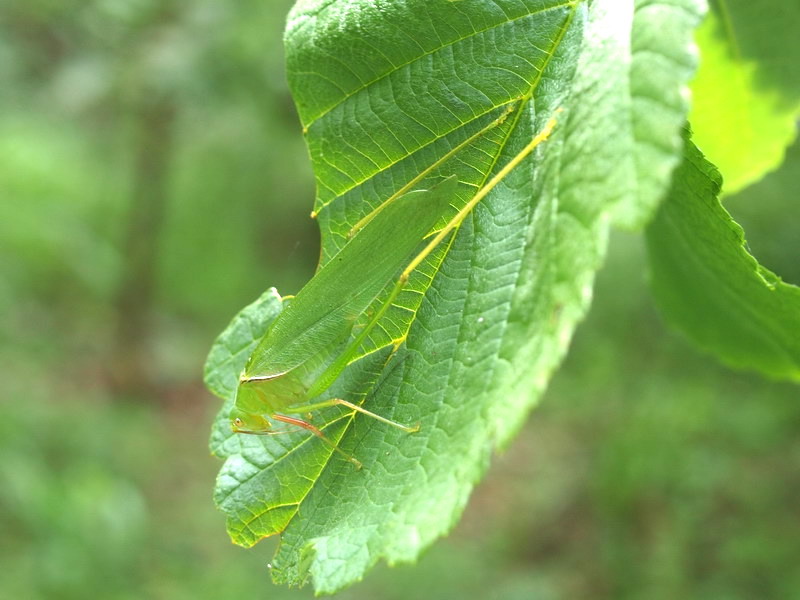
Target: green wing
(324, 311)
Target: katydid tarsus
(309, 344)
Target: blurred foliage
(80, 72)
(648, 471)
(745, 95)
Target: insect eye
(238, 422)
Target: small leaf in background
(709, 286)
(746, 96)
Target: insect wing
(324, 311)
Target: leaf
(710, 287)
(385, 91)
(746, 97)
(228, 355)
(256, 471)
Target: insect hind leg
(340, 402)
(317, 432)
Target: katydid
(308, 345)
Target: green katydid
(308, 345)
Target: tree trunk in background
(131, 352)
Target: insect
(309, 344)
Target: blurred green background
(152, 182)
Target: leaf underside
(708, 284)
(384, 91)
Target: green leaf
(256, 472)
(385, 91)
(645, 79)
(711, 288)
(746, 96)
(228, 355)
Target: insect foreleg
(270, 432)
